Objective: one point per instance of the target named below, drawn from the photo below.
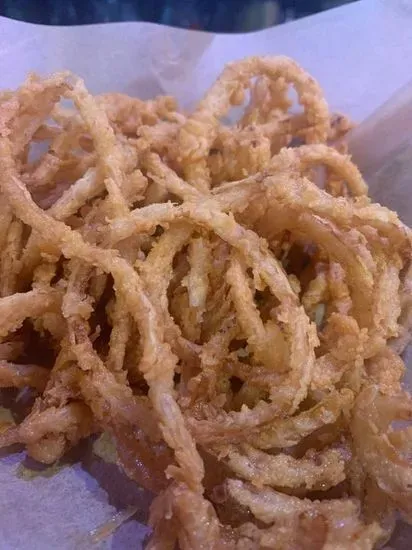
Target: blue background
(211, 15)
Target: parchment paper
(359, 53)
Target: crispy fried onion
(224, 301)
(197, 134)
(381, 447)
(343, 529)
(317, 471)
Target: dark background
(211, 15)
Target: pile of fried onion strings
(222, 298)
